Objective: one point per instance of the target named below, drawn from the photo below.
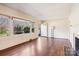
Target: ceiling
(44, 11)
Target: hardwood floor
(40, 47)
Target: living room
(25, 22)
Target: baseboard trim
(44, 36)
(61, 38)
(15, 46)
(53, 37)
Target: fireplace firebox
(77, 45)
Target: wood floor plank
(40, 47)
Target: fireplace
(77, 45)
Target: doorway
(44, 30)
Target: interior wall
(74, 19)
(61, 28)
(12, 40)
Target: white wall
(61, 28)
(74, 19)
(9, 41)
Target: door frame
(47, 29)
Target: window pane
(21, 26)
(4, 25)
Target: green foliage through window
(3, 31)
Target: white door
(43, 30)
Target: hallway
(39, 47)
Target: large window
(13, 25)
(4, 25)
(22, 26)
